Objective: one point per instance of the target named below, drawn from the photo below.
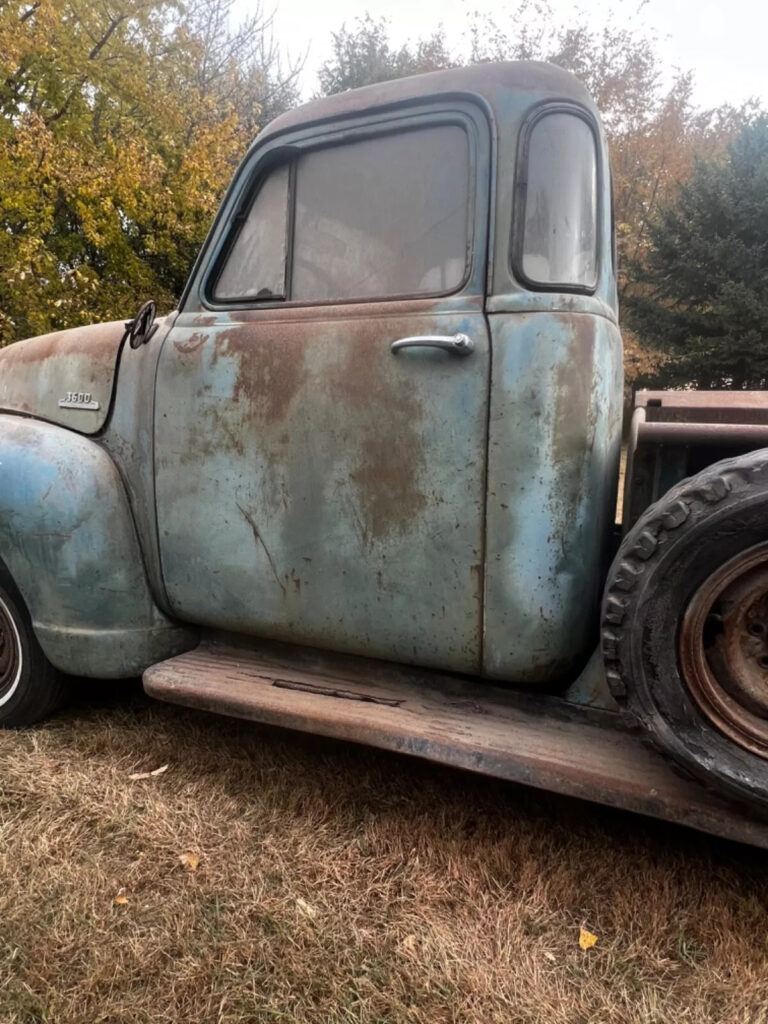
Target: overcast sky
(723, 41)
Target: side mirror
(143, 326)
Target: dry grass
(338, 885)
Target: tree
(702, 294)
(364, 55)
(120, 124)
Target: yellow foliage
(115, 148)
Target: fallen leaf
(148, 775)
(121, 899)
(586, 939)
(306, 908)
(189, 861)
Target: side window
(559, 236)
(382, 217)
(256, 264)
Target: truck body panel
(312, 486)
(554, 446)
(492, 553)
(68, 539)
(66, 377)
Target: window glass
(255, 266)
(381, 217)
(560, 228)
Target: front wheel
(685, 625)
(30, 687)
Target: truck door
(322, 399)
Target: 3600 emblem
(78, 400)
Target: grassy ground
(336, 884)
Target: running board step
(541, 742)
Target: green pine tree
(702, 297)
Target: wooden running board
(537, 741)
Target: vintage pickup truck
(363, 481)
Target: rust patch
(335, 691)
(97, 342)
(269, 375)
(36, 374)
(222, 427)
(575, 411)
(195, 342)
(387, 418)
(573, 389)
(211, 433)
(387, 485)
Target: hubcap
(10, 654)
(723, 649)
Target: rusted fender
(66, 377)
(68, 539)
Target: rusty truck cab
(362, 482)
(388, 497)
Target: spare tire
(685, 625)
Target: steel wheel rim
(723, 649)
(10, 654)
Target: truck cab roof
(536, 80)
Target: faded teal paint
(311, 486)
(129, 439)
(554, 444)
(550, 302)
(36, 375)
(314, 487)
(68, 540)
(549, 503)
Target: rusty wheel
(685, 625)
(30, 687)
(724, 649)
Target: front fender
(68, 539)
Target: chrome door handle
(459, 344)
